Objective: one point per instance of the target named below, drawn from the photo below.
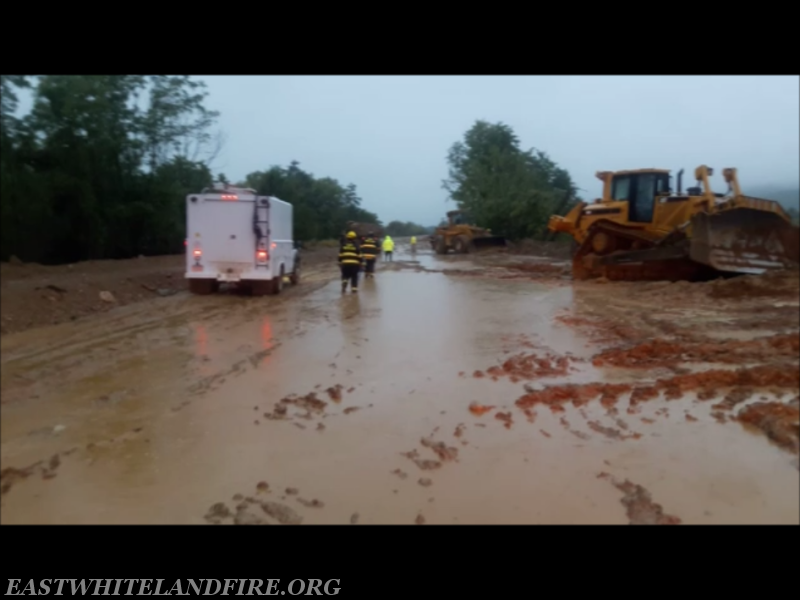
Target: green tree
(505, 188)
(95, 169)
(401, 229)
(322, 207)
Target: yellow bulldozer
(462, 236)
(642, 229)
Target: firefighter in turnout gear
(369, 250)
(350, 259)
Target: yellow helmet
(351, 235)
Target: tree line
(504, 187)
(406, 229)
(322, 207)
(101, 165)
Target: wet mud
(481, 389)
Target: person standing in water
(388, 248)
(413, 244)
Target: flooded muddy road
(446, 391)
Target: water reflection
(201, 341)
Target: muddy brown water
(160, 411)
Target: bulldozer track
(634, 256)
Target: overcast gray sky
(390, 134)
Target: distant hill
(787, 196)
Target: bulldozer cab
(457, 217)
(638, 188)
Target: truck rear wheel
(201, 287)
(440, 245)
(277, 283)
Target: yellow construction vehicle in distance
(643, 229)
(462, 236)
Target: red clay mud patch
(761, 376)
(779, 422)
(555, 397)
(442, 450)
(533, 366)
(506, 418)
(310, 403)
(424, 464)
(479, 410)
(735, 397)
(639, 505)
(643, 394)
(10, 476)
(611, 433)
(663, 353)
(335, 393)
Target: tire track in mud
(114, 335)
(261, 508)
(439, 454)
(10, 477)
(257, 509)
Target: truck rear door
(225, 229)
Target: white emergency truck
(233, 235)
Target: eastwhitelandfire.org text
(173, 587)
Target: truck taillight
(262, 255)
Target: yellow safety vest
(388, 245)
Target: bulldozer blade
(744, 240)
(489, 242)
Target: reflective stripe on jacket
(369, 248)
(349, 254)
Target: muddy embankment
(33, 295)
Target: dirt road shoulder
(33, 295)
